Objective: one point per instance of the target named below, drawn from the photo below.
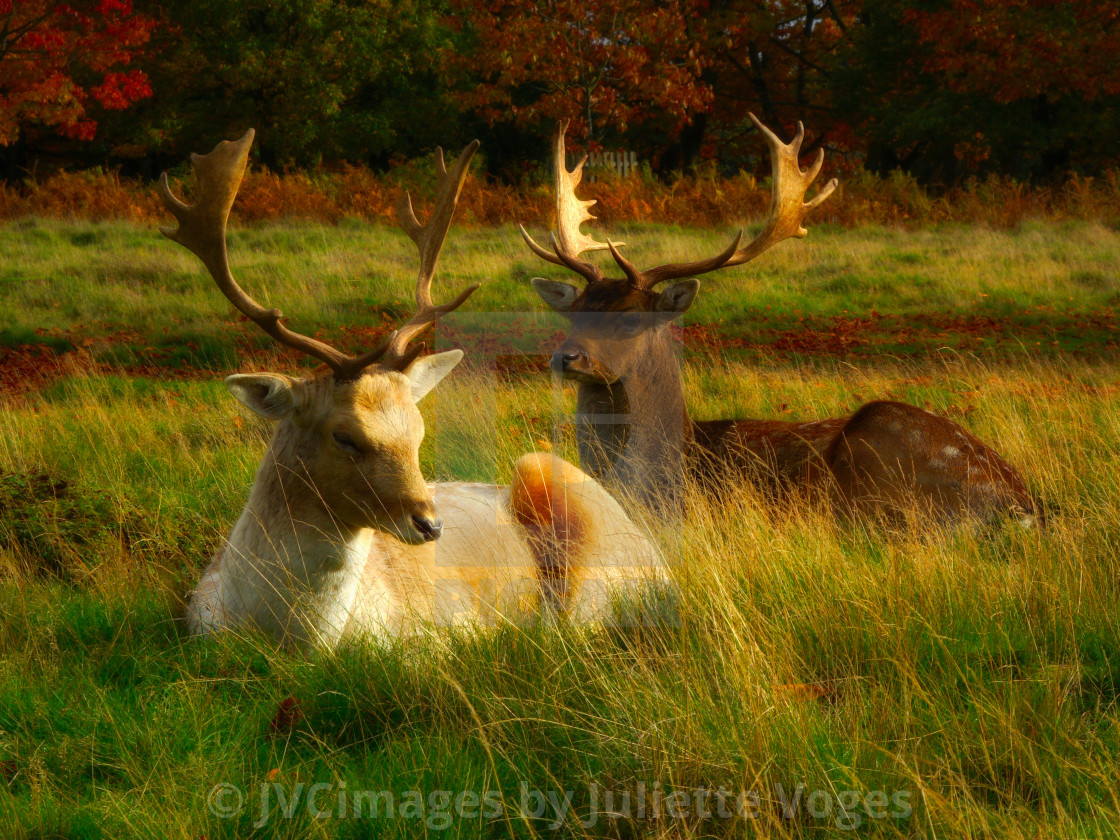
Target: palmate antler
(787, 213)
(202, 230)
(568, 241)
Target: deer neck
(289, 567)
(632, 433)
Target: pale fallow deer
(341, 535)
(632, 426)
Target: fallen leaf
(288, 714)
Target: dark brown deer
(633, 428)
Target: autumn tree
(604, 67)
(948, 89)
(60, 62)
(320, 80)
(773, 58)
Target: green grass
(131, 296)
(970, 675)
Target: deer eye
(631, 321)
(346, 443)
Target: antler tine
(568, 241)
(632, 272)
(202, 230)
(672, 271)
(787, 209)
(429, 240)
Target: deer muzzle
(430, 527)
(562, 360)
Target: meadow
(820, 678)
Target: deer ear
(560, 296)
(268, 394)
(427, 371)
(677, 297)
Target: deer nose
(563, 359)
(430, 528)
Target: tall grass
(969, 675)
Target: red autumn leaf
(1021, 49)
(604, 67)
(56, 57)
(288, 716)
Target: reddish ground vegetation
(355, 192)
(28, 368)
(875, 333)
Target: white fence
(621, 163)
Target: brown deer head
(616, 321)
(347, 438)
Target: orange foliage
(356, 192)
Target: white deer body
(290, 571)
(341, 535)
